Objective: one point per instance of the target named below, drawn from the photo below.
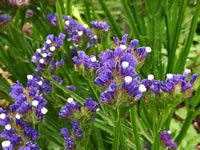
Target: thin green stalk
(134, 126)
(60, 19)
(156, 138)
(171, 58)
(87, 11)
(116, 141)
(187, 122)
(68, 10)
(110, 18)
(185, 51)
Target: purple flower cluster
(68, 140)
(171, 82)
(90, 107)
(117, 65)
(25, 101)
(166, 138)
(100, 25)
(44, 56)
(4, 18)
(16, 131)
(88, 62)
(70, 106)
(77, 33)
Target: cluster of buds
(100, 25)
(116, 69)
(77, 32)
(28, 102)
(82, 119)
(44, 57)
(172, 82)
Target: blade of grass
(185, 51)
(112, 22)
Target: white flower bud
(80, 33)
(187, 70)
(44, 110)
(142, 88)
(150, 77)
(8, 127)
(148, 49)
(5, 144)
(123, 47)
(2, 116)
(125, 64)
(93, 59)
(128, 79)
(70, 100)
(40, 83)
(30, 77)
(169, 75)
(38, 50)
(67, 22)
(48, 41)
(41, 61)
(85, 26)
(17, 116)
(52, 48)
(44, 55)
(35, 103)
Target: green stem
(116, 141)
(134, 126)
(190, 116)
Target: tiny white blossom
(41, 61)
(35, 103)
(44, 110)
(187, 70)
(67, 22)
(123, 47)
(70, 100)
(5, 144)
(125, 64)
(40, 83)
(48, 41)
(148, 49)
(169, 75)
(150, 77)
(38, 50)
(128, 79)
(29, 77)
(44, 55)
(97, 109)
(8, 127)
(2, 116)
(80, 33)
(85, 26)
(52, 48)
(142, 88)
(93, 59)
(17, 116)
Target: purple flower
(30, 146)
(6, 145)
(104, 78)
(142, 52)
(66, 111)
(78, 132)
(91, 105)
(100, 25)
(69, 142)
(29, 13)
(71, 87)
(124, 39)
(167, 139)
(16, 90)
(4, 18)
(194, 77)
(64, 132)
(58, 79)
(31, 133)
(109, 94)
